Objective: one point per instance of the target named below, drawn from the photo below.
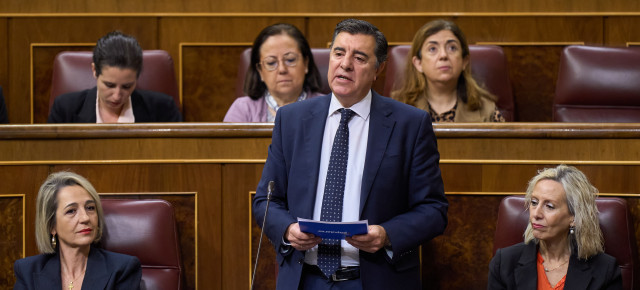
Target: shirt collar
(361, 108)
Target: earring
(54, 243)
(572, 230)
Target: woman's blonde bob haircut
(47, 204)
(581, 200)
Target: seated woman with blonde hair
(563, 246)
(69, 221)
(438, 79)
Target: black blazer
(105, 270)
(80, 107)
(4, 118)
(515, 267)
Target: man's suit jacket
(402, 187)
(80, 107)
(515, 267)
(105, 270)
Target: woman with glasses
(281, 71)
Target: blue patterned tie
(329, 250)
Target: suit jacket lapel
(380, 128)
(578, 274)
(87, 113)
(313, 131)
(525, 272)
(139, 107)
(49, 276)
(96, 276)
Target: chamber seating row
(595, 84)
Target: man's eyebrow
(361, 53)
(358, 52)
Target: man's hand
(299, 240)
(373, 241)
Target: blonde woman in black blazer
(69, 221)
(563, 244)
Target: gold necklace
(71, 283)
(549, 270)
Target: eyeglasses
(271, 63)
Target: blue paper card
(333, 230)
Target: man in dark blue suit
(392, 176)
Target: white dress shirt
(358, 137)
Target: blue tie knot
(346, 115)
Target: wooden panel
(478, 28)
(114, 149)
(24, 180)
(206, 143)
(618, 31)
(513, 178)
(42, 62)
(239, 180)
(309, 6)
(501, 149)
(535, 30)
(459, 259)
(25, 31)
(208, 93)
(267, 266)
(12, 231)
(533, 71)
(4, 57)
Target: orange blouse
(543, 282)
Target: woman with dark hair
(117, 63)
(438, 77)
(563, 246)
(69, 221)
(281, 71)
